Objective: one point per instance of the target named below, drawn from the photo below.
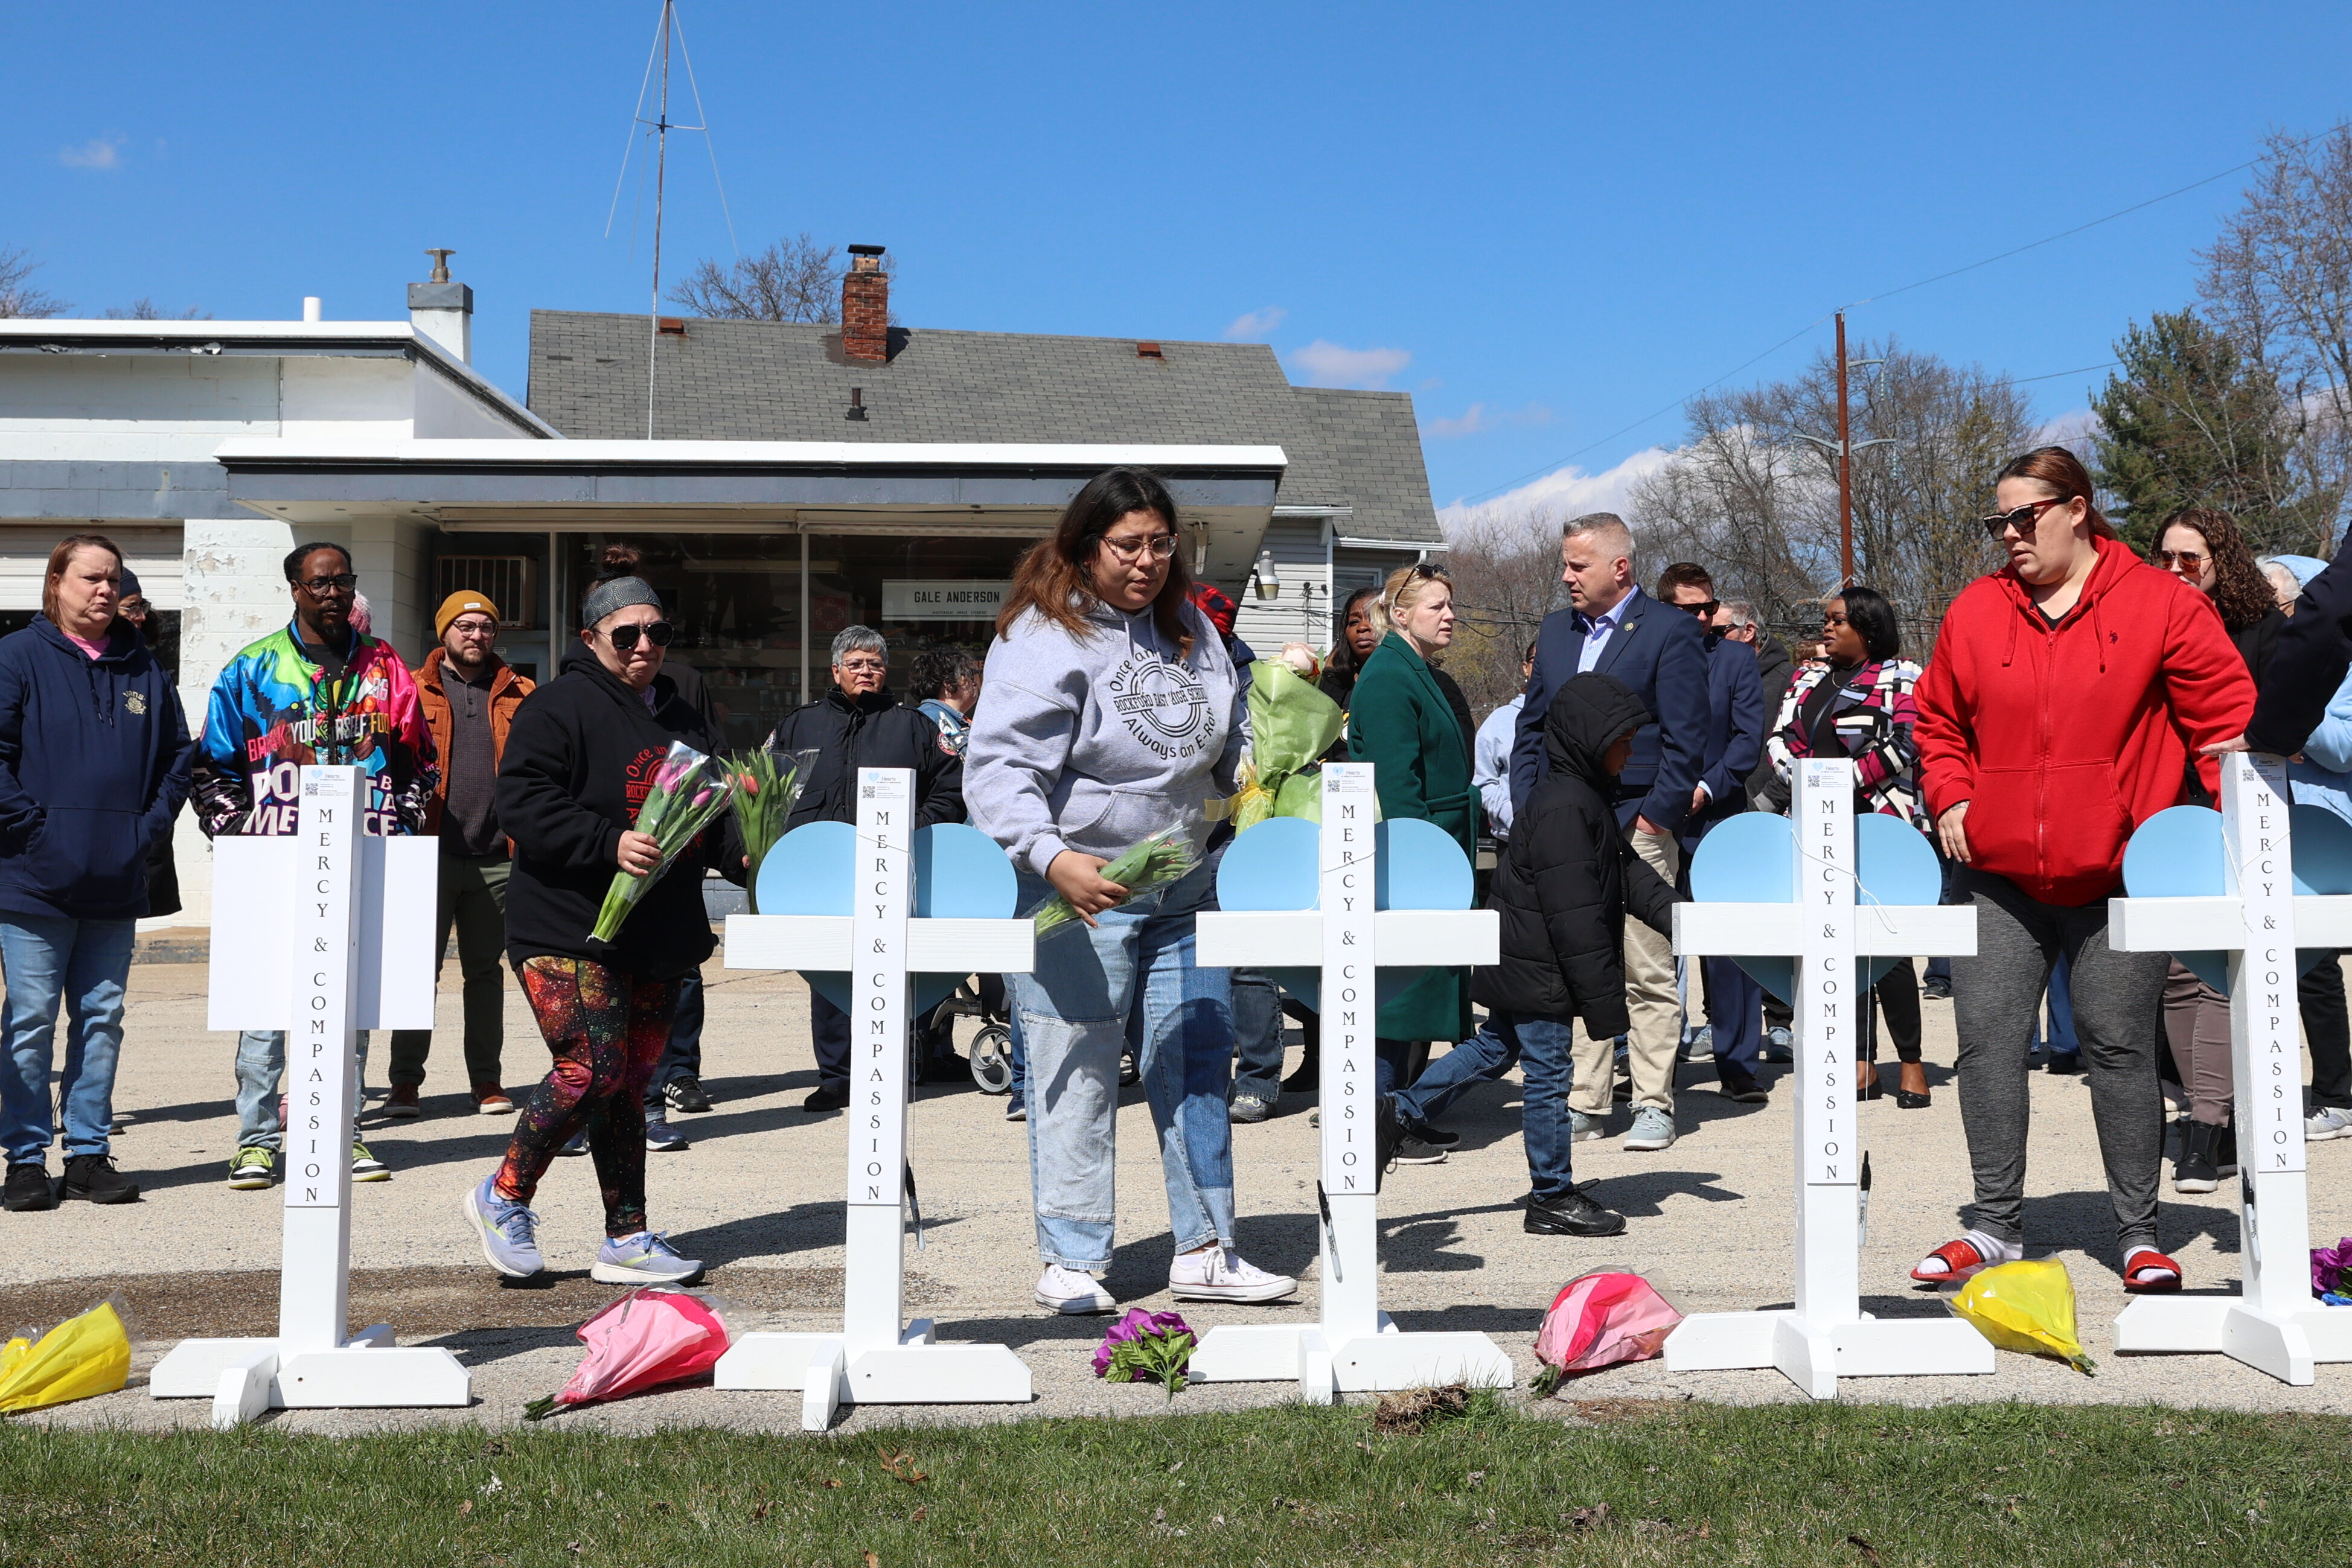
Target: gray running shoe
(509, 1230)
(644, 1258)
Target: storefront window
(736, 601)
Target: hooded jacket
(508, 689)
(580, 760)
(2063, 739)
(94, 757)
(1567, 876)
(876, 730)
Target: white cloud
(1479, 417)
(1255, 324)
(98, 153)
(2070, 429)
(1568, 492)
(1328, 364)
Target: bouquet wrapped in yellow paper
(79, 1357)
(2026, 1306)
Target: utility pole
(1843, 449)
(661, 174)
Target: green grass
(1699, 1484)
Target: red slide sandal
(2149, 1272)
(1961, 1259)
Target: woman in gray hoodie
(1109, 710)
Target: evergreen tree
(2189, 420)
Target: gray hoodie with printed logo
(1091, 743)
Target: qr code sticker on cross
(866, 792)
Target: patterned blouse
(1873, 715)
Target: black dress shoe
(1572, 1214)
(94, 1179)
(28, 1188)
(2064, 1061)
(828, 1097)
(1307, 1079)
(1738, 1084)
(1904, 1100)
(1388, 1135)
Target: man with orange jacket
(2068, 695)
(469, 695)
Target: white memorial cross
(1352, 1345)
(2273, 1324)
(878, 1358)
(1825, 1335)
(320, 933)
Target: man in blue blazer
(1613, 627)
(1737, 718)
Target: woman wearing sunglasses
(2203, 547)
(2067, 694)
(1108, 711)
(579, 760)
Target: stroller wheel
(992, 1059)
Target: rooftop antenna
(660, 127)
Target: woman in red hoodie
(2067, 694)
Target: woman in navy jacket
(94, 759)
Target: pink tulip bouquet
(690, 791)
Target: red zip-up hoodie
(2065, 739)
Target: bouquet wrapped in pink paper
(690, 791)
(649, 1337)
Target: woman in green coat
(1407, 719)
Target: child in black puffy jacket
(1564, 886)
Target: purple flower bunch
(2331, 1269)
(1153, 1347)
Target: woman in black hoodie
(579, 761)
(1567, 880)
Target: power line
(1889, 294)
(2054, 375)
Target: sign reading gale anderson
(942, 598)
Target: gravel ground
(759, 1197)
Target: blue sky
(1543, 220)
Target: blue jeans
(1544, 1049)
(2060, 1029)
(1130, 982)
(1257, 1035)
(682, 1057)
(85, 963)
(260, 1063)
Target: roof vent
(857, 403)
(672, 327)
(1149, 351)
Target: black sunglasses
(658, 632)
(2024, 519)
(1705, 609)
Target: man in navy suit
(1613, 627)
(1735, 742)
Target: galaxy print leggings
(607, 1028)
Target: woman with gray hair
(579, 761)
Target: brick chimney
(866, 306)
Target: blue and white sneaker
(663, 1138)
(509, 1230)
(644, 1258)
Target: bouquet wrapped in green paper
(1292, 725)
(1153, 862)
(690, 791)
(765, 786)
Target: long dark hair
(2241, 592)
(1050, 578)
(1343, 652)
(1868, 613)
(2061, 472)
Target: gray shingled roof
(765, 381)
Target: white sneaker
(1072, 1290)
(1653, 1130)
(1219, 1274)
(1584, 1129)
(2326, 1122)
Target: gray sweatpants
(1994, 998)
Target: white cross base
(1826, 1335)
(320, 933)
(878, 1358)
(2274, 1324)
(1352, 1346)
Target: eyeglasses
(658, 632)
(342, 582)
(2186, 559)
(474, 628)
(2024, 520)
(865, 666)
(1704, 609)
(1129, 551)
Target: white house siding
(1300, 611)
(132, 408)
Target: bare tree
(2278, 281)
(144, 308)
(792, 280)
(1506, 571)
(17, 295)
(1734, 500)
